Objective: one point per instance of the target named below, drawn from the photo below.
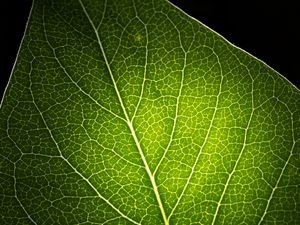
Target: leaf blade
(175, 127)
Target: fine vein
(14, 176)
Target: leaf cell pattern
(131, 112)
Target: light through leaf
(131, 112)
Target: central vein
(151, 176)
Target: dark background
(267, 30)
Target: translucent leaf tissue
(132, 112)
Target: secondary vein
(176, 110)
(203, 145)
(283, 169)
(62, 156)
(145, 67)
(240, 155)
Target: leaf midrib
(128, 121)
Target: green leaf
(131, 112)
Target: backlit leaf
(132, 112)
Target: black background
(267, 30)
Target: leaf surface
(131, 112)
